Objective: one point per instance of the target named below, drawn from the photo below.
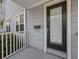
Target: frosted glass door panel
(56, 25)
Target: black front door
(56, 26)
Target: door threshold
(57, 53)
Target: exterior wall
(11, 9)
(2, 11)
(35, 16)
(74, 29)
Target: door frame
(64, 24)
(68, 25)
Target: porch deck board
(32, 53)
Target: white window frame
(7, 19)
(68, 25)
(22, 11)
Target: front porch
(14, 46)
(33, 53)
(38, 29)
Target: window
(20, 22)
(7, 28)
(17, 27)
(22, 18)
(8, 25)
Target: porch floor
(32, 53)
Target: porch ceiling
(30, 3)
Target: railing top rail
(7, 32)
(12, 32)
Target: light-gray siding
(74, 29)
(35, 16)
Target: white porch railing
(12, 43)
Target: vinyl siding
(11, 9)
(35, 17)
(74, 29)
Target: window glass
(22, 27)
(21, 18)
(17, 27)
(8, 21)
(56, 25)
(7, 28)
(20, 22)
(17, 19)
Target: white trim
(37, 4)
(13, 43)
(10, 43)
(53, 2)
(68, 26)
(17, 14)
(57, 53)
(25, 19)
(68, 29)
(45, 30)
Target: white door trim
(68, 25)
(68, 29)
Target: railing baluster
(25, 39)
(19, 41)
(14, 42)
(10, 43)
(23, 42)
(6, 45)
(2, 46)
